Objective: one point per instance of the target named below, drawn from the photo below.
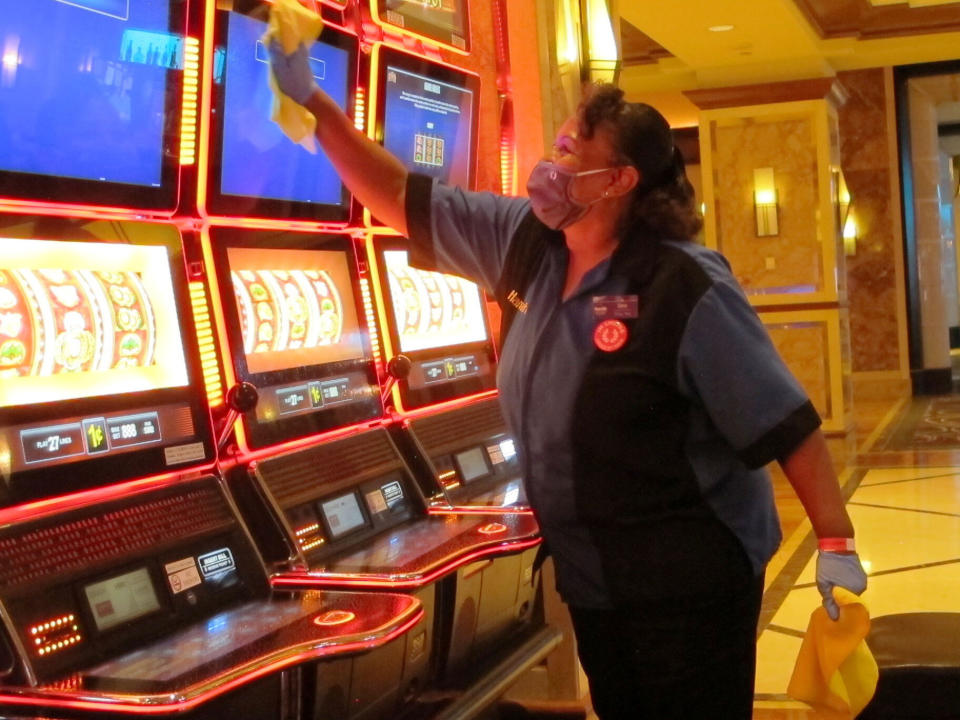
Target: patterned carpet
(926, 423)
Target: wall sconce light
(843, 201)
(602, 56)
(765, 202)
(850, 235)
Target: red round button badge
(610, 335)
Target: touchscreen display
(343, 514)
(427, 123)
(473, 464)
(121, 598)
(443, 20)
(83, 88)
(257, 160)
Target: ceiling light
(720, 28)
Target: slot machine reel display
(98, 367)
(293, 323)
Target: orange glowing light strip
(206, 101)
(431, 43)
(371, 323)
(191, 95)
(358, 580)
(161, 705)
(382, 312)
(360, 110)
(209, 362)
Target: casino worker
(643, 391)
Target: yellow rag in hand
(835, 670)
(291, 24)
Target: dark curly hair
(663, 204)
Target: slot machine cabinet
(293, 323)
(350, 509)
(450, 413)
(438, 320)
(155, 600)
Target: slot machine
(425, 113)
(130, 583)
(448, 399)
(316, 467)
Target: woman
(642, 388)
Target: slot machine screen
(255, 168)
(90, 101)
(426, 115)
(438, 321)
(446, 21)
(296, 329)
(98, 377)
(343, 515)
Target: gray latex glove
(839, 570)
(292, 72)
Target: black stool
(919, 659)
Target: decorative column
(770, 156)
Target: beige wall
(790, 261)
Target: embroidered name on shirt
(518, 302)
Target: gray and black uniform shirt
(644, 465)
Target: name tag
(616, 307)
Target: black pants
(683, 658)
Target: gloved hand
(838, 569)
(292, 72)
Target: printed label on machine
(182, 575)
(216, 562)
(184, 453)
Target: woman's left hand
(839, 570)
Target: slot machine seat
(919, 660)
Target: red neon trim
(302, 580)
(447, 405)
(93, 212)
(480, 510)
(166, 707)
(83, 498)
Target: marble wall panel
(790, 261)
(872, 272)
(804, 347)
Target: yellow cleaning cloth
(291, 24)
(835, 670)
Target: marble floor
(905, 505)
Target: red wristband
(836, 544)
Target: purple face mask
(550, 198)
